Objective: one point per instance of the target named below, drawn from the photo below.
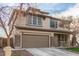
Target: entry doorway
(61, 39)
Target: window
(39, 21)
(35, 20)
(53, 23)
(29, 19)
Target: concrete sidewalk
(50, 52)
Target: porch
(61, 40)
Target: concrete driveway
(50, 52)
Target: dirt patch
(21, 53)
(17, 53)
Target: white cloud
(73, 11)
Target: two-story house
(35, 28)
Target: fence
(3, 42)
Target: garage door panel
(34, 41)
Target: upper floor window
(53, 23)
(35, 20)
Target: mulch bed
(17, 53)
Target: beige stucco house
(36, 29)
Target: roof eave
(41, 29)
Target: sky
(55, 9)
(61, 9)
(58, 9)
(64, 9)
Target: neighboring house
(2, 36)
(35, 28)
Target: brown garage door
(35, 41)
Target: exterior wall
(22, 21)
(77, 36)
(69, 41)
(46, 23)
(55, 41)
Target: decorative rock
(7, 51)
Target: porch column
(52, 40)
(49, 41)
(68, 41)
(61, 42)
(56, 40)
(64, 42)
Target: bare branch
(2, 23)
(17, 13)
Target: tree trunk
(8, 41)
(77, 44)
(8, 49)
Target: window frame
(31, 21)
(53, 23)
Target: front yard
(76, 50)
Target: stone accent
(7, 51)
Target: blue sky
(61, 9)
(58, 9)
(53, 8)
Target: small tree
(75, 30)
(72, 25)
(4, 25)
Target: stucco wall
(46, 23)
(22, 21)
